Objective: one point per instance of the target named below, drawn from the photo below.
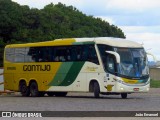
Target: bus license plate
(136, 89)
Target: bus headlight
(122, 89)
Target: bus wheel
(24, 89)
(96, 90)
(60, 94)
(34, 89)
(50, 94)
(124, 95)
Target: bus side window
(92, 56)
(60, 54)
(84, 53)
(52, 54)
(68, 54)
(19, 54)
(56, 58)
(73, 54)
(10, 54)
(30, 55)
(46, 54)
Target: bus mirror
(157, 63)
(115, 54)
(154, 58)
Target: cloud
(140, 29)
(139, 5)
(150, 41)
(41, 3)
(148, 36)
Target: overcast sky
(139, 19)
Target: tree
(20, 24)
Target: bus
(102, 65)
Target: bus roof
(117, 42)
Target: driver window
(111, 64)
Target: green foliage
(20, 24)
(155, 84)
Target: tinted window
(53, 54)
(103, 48)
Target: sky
(138, 19)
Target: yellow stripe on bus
(54, 69)
(47, 43)
(129, 81)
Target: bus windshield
(133, 62)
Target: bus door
(110, 67)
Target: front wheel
(34, 89)
(124, 95)
(96, 90)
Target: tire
(34, 90)
(50, 94)
(24, 89)
(96, 90)
(60, 94)
(124, 95)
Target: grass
(155, 83)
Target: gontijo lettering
(36, 67)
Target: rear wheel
(34, 89)
(124, 95)
(96, 90)
(24, 89)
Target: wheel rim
(24, 89)
(34, 89)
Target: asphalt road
(83, 102)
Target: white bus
(100, 65)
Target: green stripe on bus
(61, 74)
(83, 43)
(72, 74)
(142, 81)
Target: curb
(6, 92)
